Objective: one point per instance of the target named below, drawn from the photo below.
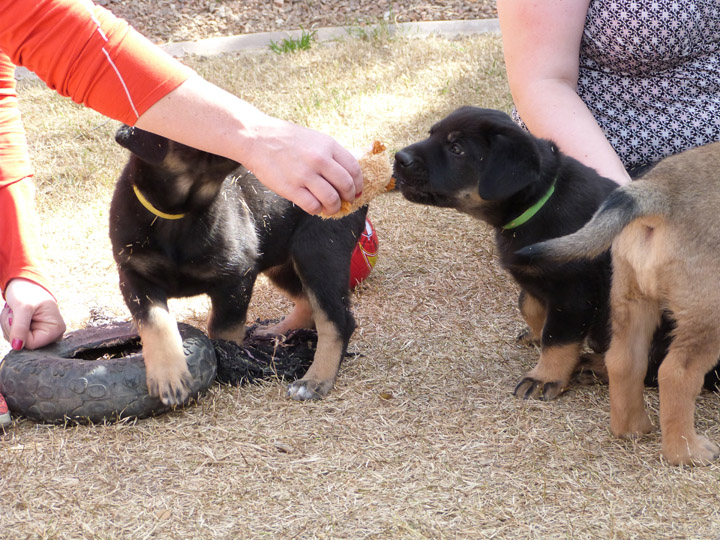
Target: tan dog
(665, 235)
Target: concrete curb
(220, 45)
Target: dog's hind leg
(300, 317)
(331, 347)
(321, 255)
(285, 278)
(328, 295)
(693, 353)
(634, 319)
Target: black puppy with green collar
(480, 162)
(185, 222)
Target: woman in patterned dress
(617, 84)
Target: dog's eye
(456, 149)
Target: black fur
(234, 228)
(480, 162)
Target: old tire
(96, 375)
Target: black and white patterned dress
(650, 74)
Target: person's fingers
(325, 193)
(338, 179)
(305, 166)
(325, 177)
(5, 320)
(47, 326)
(306, 200)
(32, 318)
(19, 326)
(349, 164)
(43, 334)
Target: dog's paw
(695, 450)
(591, 369)
(269, 330)
(171, 390)
(527, 339)
(529, 388)
(306, 389)
(629, 427)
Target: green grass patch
(290, 45)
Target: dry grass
(421, 437)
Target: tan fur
(534, 313)
(556, 364)
(167, 372)
(236, 334)
(669, 261)
(320, 378)
(300, 317)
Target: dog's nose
(403, 159)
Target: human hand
(303, 165)
(31, 317)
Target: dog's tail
(638, 199)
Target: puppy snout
(404, 160)
(408, 168)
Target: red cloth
(84, 52)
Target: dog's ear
(147, 146)
(511, 164)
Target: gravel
(183, 20)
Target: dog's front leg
(229, 308)
(562, 339)
(534, 313)
(168, 377)
(551, 375)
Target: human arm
(303, 165)
(541, 41)
(30, 306)
(32, 318)
(83, 51)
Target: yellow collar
(151, 208)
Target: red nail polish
(17, 344)
(357, 195)
(10, 321)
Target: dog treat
(377, 179)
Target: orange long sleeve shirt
(84, 52)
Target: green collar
(530, 212)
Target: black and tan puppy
(184, 222)
(480, 162)
(665, 235)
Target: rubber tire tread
(51, 385)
